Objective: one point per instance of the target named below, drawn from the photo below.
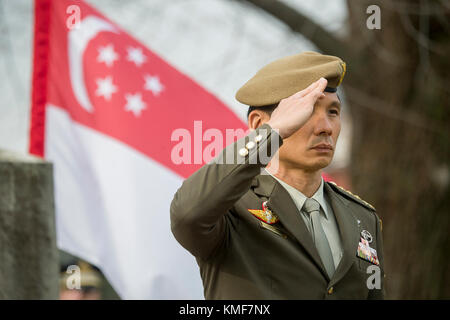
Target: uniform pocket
(271, 228)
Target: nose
(323, 125)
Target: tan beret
(284, 77)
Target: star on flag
(107, 55)
(105, 88)
(135, 103)
(136, 55)
(153, 84)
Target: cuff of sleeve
(256, 148)
(260, 145)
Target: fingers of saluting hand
(317, 92)
(311, 88)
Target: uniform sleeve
(379, 294)
(198, 209)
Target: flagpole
(39, 76)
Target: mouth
(323, 147)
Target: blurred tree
(397, 86)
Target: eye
(334, 112)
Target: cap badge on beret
(344, 68)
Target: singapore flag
(104, 111)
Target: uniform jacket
(241, 257)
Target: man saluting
(271, 227)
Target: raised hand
(293, 112)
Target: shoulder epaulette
(351, 196)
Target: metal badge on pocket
(266, 215)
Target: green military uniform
(250, 241)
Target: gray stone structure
(29, 265)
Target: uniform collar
(299, 198)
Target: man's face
(312, 147)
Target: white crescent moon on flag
(78, 39)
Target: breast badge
(266, 215)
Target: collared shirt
(327, 218)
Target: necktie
(312, 209)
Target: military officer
(270, 227)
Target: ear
(257, 118)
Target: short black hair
(267, 109)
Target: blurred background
(394, 148)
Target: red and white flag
(104, 111)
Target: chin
(315, 165)
(308, 162)
(320, 163)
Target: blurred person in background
(90, 281)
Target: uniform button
(330, 291)
(250, 145)
(258, 138)
(243, 152)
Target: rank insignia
(367, 253)
(266, 215)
